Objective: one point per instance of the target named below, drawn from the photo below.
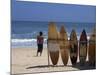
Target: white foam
(23, 40)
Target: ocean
(24, 33)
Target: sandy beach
(24, 60)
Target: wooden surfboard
(92, 48)
(64, 45)
(83, 47)
(53, 45)
(73, 47)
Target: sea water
(24, 33)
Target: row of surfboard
(58, 43)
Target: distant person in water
(40, 41)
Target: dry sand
(24, 60)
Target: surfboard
(73, 47)
(53, 43)
(83, 47)
(92, 48)
(64, 45)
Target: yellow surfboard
(64, 45)
(53, 43)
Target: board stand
(48, 59)
(48, 55)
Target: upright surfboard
(53, 45)
(83, 47)
(64, 45)
(73, 47)
(92, 48)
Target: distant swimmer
(40, 40)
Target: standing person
(40, 41)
